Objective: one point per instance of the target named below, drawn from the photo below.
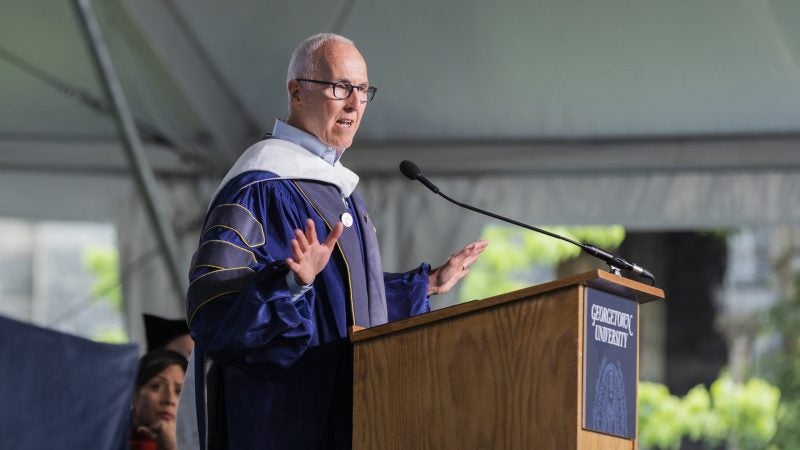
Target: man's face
(315, 109)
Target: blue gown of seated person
(277, 374)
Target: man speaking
(287, 262)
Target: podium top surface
(597, 279)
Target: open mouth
(347, 123)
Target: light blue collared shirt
(308, 141)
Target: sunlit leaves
(513, 255)
(103, 264)
(660, 422)
(741, 414)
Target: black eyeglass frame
(349, 88)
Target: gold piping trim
(260, 225)
(206, 302)
(223, 270)
(253, 255)
(197, 308)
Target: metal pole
(142, 171)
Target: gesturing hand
(309, 256)
(444, 277)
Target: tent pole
(134, 151)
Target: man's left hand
(444, 277)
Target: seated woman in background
(155, 401)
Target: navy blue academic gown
(277, 374)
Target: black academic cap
(161, 331)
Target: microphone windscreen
(410, 169)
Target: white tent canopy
(650, 114)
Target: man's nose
(355, 100)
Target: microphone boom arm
(615, 263)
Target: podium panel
(610, 372)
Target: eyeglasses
(343, 90)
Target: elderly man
(288, 262)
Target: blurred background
(667, 132)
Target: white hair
(303, 63)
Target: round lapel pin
(347, 219)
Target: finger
(146, 431)
(334, 235)
(297, 252)
(462, 261)
(475, 247)
(468, 261)
(452, 261)
(311, 232)
(299, 276)
(292, 265)
(469, 254)
(301, 239)
(456, 278)
(478, 246)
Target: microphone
(410, 170)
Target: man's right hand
(309, 256)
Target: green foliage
(111, 336)
(660, 422)
(740, 414)
(698, 418)
(783, 367)
(509, 260)
(750, 411)
(103, 264)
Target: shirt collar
(283, 130)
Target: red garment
(141, 441)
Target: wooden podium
(501, 373)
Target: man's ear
(294, 91)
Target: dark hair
(154, 362)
